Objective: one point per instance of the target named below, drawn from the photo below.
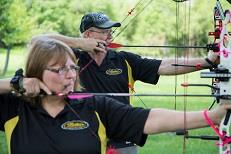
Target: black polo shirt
(30, 129)
(117, 71)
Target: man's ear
(86, 34)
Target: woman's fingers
(44, 88)
(33, 87)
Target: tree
(4, 19)
(17, 27)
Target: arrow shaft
(164, 46)
(127, 94)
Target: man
(105, 70)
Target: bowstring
(186, 40)
(134, 17)
(145, 4)
(176, 50)
(186, 54)
(176, 60)
(129, 14)
(80, 118)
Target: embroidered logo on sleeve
(75, 125)
(115, 71)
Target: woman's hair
(41, 51)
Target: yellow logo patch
(75, 125)
(115, 71)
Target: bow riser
(225, 84)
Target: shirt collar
(111, 54)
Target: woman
(53, 124)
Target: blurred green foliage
(152, 25)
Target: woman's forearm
(163, 120)
(5, 85)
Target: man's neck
(98, 57)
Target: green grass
(3, 148)
(158, 144)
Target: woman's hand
(217, 114)
(33, 87)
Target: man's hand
(92, 45)
(87, 44)
(33, 87)
(213, 57)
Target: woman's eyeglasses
(64, 70)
